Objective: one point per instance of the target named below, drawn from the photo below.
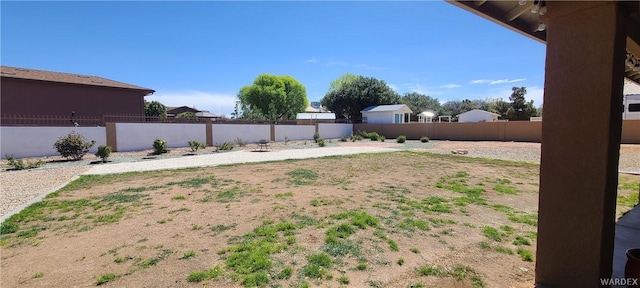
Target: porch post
(580, 143)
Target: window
(634, 107)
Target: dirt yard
(402, 219)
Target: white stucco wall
(246, 132)
(295, 132)
(336, 130)
(21, 142)
(140, 136)
(379, 117)
(476, 116)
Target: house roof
(474, 111)
(386, 108)
(206, 114)
(316, 116)
(630, 87)
(60, 77)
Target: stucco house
(477, 115)
(386, 114)
(47, 93)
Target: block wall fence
(21, 142)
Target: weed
(492, 233)
(415, 250)
(179, 197)
(343, 230)
(628, 201)
(38, 275)
(104, 278)
(153, 261)
(392, 245)
(183, 209)
(337, 248)
(224, 146)
(322, 260)
(343, 280)
(188, 254)
(221, 228)
(400, 261)
(458, 272)
(504, 250)
(240, 142)
(521, 241)
(200, 276)
(506, 189)
(195, 145)
(526, 255)
(484, 245)
(361, 266)
(21, 164)
(284, 195)
(285, 273)
(301, 176)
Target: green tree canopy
(155, 109)
(188, 114)
(273, 97)
(520, 109)
(419, 102)
(342, 80)
(454, 108)
(353, 96)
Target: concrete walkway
(236, 157)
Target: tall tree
(274, 97)
(520, 109)
(454, 108)
(419, 102)
(342, 80)
(499, 107)
(350, 98)
(155, 109)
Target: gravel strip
(20, 187)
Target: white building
(631, 101)
(386, 114)
(477, 115)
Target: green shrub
(424, 139)
(374, 136)
(103, 152)
(401, 139)
(344, 139)
(225, 146)
(159, 147)
(382, 138)
(195, 145)
(8, 227)
(73, 146)
(320, 142)
(19, 164)
(240, 142)
(316, 137)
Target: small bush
(424, 139)
(344, 139)
(401, 139)
(225, 146)
(21, 165)
(316, 136)
(320, 142)
(103, 152)
(240, 142)
(382, 138)
(286, 140)
(373, 136)
(195, 145)
(159, 147)
(73, 146)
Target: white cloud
(369, 67)
(503, 81)
(450, 86)
(533, 93)
(494, 82)
(337, 63)
(311, 60)
(215, 103)
(416, 87)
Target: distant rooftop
(630, 87)
(60, 77)
(384, 108)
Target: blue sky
(201, 53)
